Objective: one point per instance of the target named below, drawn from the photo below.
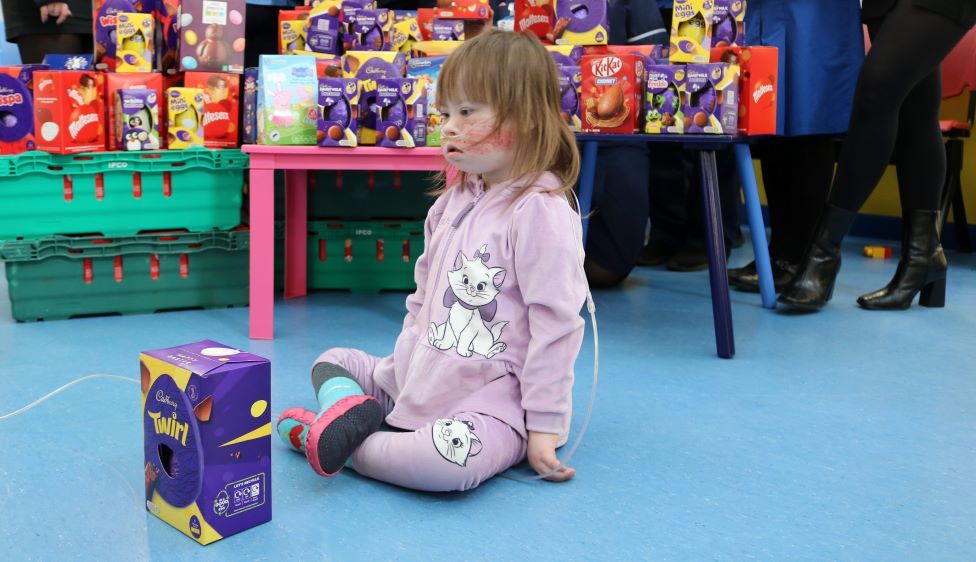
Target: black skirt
(23, 17)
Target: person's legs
(33, 48)
(667, 202)
(907, 47)
(451, 454)
(921, 165)
(616, 230)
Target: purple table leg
(717, 267)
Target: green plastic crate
(347, 254)
(62, 277)
(120, 193)
(360, 195)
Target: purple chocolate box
(323, 34)
(338, 108)
(372, 30)
(249, 101)
(138, 113)
(402, 107)
(570, 79)
(207, 428)
(447, 30)
(728, 27)
(710, 98)
(350, 8)
(212, 35)
(662, 99)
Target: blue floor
(843, 435)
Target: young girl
(482, 372)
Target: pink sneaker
(293, 427)
(339, 431)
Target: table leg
(717, 269)
(747, 175)
(296, 233)
(262, 254)
(587, 178)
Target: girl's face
(471, 144)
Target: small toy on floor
(878, 252)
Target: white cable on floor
(61, 389)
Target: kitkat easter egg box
(611, 93)
(69, 111)
(287, 112)
(212, 35)
(221, 106)
(206, 417)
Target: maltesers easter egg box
(206, 419)
(69, 111)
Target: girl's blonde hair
(514, 75)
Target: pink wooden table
(296, 161)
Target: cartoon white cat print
(470, 296)
(455, 440)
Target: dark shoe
(688, 258)
(739, 239)
(922, 268)
(747, 278)
(655, 253)
(814, 282)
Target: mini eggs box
(184, 113)
(207, 438)
(16, 109)
(292, 36)
(372, 31)
(570, 80)
(710, 98)
(221, 106)
(69, 110)
(137, 119)
(691, 30)
(728, 23)
(287, 112)
(662, 113)
(402, 107)
(105, 20)
(338, 111)
(212, 35)
(134, 38)
(426, 70)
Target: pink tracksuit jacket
(494, 326)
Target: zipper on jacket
(458, 219)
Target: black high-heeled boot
(814, 283)
(922, 268)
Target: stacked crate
(366, 229)
(122, 232)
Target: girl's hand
(542, 457)
(58, 10)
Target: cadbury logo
(82, 121)
(607, 66)
(11, 99)
(211, 116)
(760, 91)
(162, 398)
